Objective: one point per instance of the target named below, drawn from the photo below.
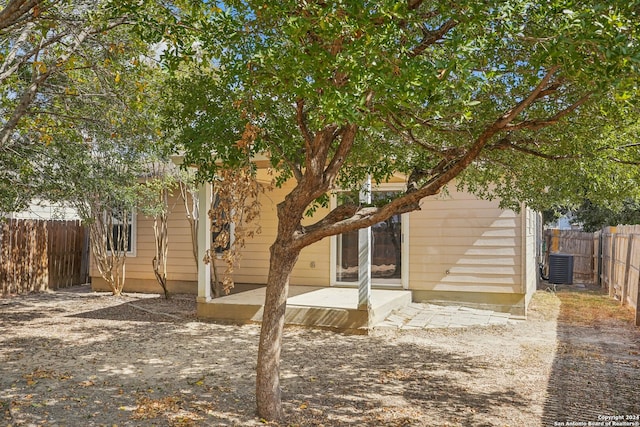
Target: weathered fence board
(597, 258)
(620, 261)
(36, 255)
(620, 272)
(24, 256)
(66, 249)
(633, 272)
(610, 256)
(576, 243)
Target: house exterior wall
(469, 251)
(42, 209)
(533, 251)
(182, 274)
(313, 266)
(460, 249)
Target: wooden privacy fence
(610, 257)
(620, 264)
(37, 255)
(576, 243)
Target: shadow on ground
(596, 370)
(62, 363)
(177, 309)
(367, 381)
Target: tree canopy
(426, 86)
(72, 74)
(594, 217)
(522, 100)
(518, 99)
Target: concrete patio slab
(431, 316)
(332, 307)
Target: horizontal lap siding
(180, 263)
(478, 243)
(254, 264)
(312, 267)
(460, 243)
(456, 243)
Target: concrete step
(330, 307)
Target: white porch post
(204, 242)
(364, 255)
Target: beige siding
(313, 265)
(180, 263)
(457, 243)
(462, 244)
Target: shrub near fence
(37, 255)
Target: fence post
(627, 267)
(555, 241)
(612, 260)
(599, 260)
(638, 305)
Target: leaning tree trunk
(284, 253)
(283, 259)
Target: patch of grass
(591, 306)
(544, 305)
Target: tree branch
(414, 4)
(17, 46)
(624, 162)
(622, 147)
(447, 170)
(316, 155)
(295, 169)
(535, 94)
(339, 157)
(16, 11)
(505, 144)
(430, 37)
(539, 124)
(7, 72)
(69, 117)
(301, 118)
(407, 135)
(29, 94)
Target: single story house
(456, 249)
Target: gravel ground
(77, 358)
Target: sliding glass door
(386, 249)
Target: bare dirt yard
(77, 358)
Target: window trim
(133, 234)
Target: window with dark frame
(117, 240)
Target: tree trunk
(283, 259)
